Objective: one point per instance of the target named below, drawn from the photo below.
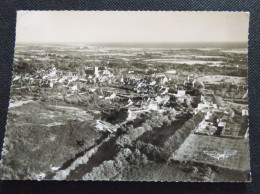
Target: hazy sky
(141, 26)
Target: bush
(110, 168)
(126, 139)
(152, 151)
(174, 141)
(138, 159)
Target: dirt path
(70, 162)
(19, 103)
(107, 151)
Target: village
(156, 91)
(119, 103)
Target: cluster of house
(46, 78)
(100, 75)
(160, 84)
(51, 77)
(216, 118)
(211, 125)
(168, 82)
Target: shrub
(110, 168)
(174, 141)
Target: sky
(130, 26)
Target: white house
(51, 84)
(181, 92)
(53, 71)
(153, 105)
(162, 79)
(171, 72)
(202, 106)
(74, 88)
(244, 112)
(96, 72)
(208, 115)
(180, 100)
(165, 79)
(215, 106)
(222, 124)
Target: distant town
(105, 113)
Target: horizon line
(181, 45)
(193, 42)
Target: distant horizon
(226, 44)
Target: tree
(25, 67)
